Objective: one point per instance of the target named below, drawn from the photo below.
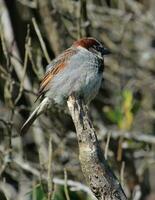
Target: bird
(77, 70)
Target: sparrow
(78, 70)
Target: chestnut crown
(92, 45)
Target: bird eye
(98, 47)
(102, 50)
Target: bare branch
(50, 173)
(96, 170)
(65, 185)
(42, 43)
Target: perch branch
(97, 172)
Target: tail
(39, 110)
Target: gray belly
(91, 88)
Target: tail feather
(39, 110)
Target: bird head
(92, 45)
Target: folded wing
(54, 68)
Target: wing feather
(54, 68)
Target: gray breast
(82, 76)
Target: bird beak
(105, 51)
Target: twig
(73, 184)
(50, 175)
(122, 173)
(34, 191)
(96, 170)
(28, 42)
(53, 25)
(12, 47)
(65, 185)
(6, 123)
(30, 4)
(140, 137)
(3, 71)
(34, 67)
(120, 150)
(134, 135)
(4, 47)
(84, 24)
(107, 146)
(43, 46)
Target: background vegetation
(32, 33)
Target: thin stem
(65, 185)
(42, 43)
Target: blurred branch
(107, 146)
(96, 170)
(140, 137)
(6, 123)
(83, 23)
(132, 135)
(31, 4)
(52, 24)
(122, 173)
(73, 184)
(65, 185)
(43, 46)
(11, 50)
(27, 46)
(50, 174)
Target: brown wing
(57, 65)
